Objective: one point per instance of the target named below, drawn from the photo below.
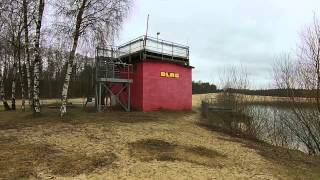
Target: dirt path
(158, 145)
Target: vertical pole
(188, 56)
(172, 52)
(111, 52)
(128, 71)
(162, 50)
(145, 38)
(147, 29)
(158, 33)
(129, 96)
(114, 70)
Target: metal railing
(108, 60)
(109, 66)
(154, 45)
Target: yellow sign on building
(169, 74)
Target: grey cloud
(222, 33)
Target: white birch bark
(36, 88)
(76, 34)
(63, 109)
(27, 52)
(37, 61)
(21, 73)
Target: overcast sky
(248, 33)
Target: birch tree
(14, 80)
(37, 59)
(3, 65)
(11, 17)
(2, 93)
(21, 72)
(26, 48)
(15, 17)
(94, 20)
(2, 60)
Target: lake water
(276, 125)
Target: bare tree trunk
(63, 109)
(21, 73)
(317, 62)
(14, 82)
(26, 41)
(37, 61)
(2, 95)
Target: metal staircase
(112, 73)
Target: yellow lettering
(169, 74)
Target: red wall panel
(166, 93)
(137, 87)
(150, 91)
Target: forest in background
(41, 42)
(52, 74)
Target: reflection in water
(272, 122)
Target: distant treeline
(276, 92)
(52, 75)
(82, 82)
(203, 87)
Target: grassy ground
(115, 145)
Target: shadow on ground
(19, 161)
(155, 149)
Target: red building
(159, 76)
(153, 88)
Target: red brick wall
(166, 93)
(150, 91)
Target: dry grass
(155, 149)
(19, 160)
(298, 164)
(72, 164)
(136, 145)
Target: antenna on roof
(145, 38)
(147, 25)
